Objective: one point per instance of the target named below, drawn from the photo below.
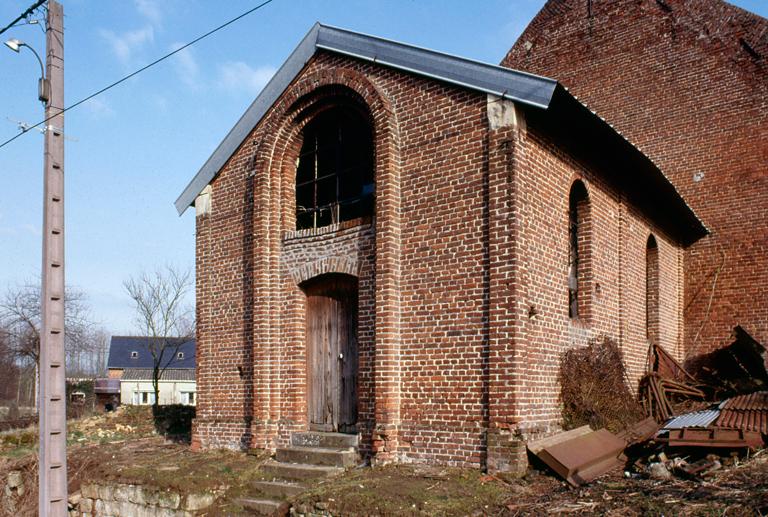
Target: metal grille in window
(334, 177)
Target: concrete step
(317, 456)
(264, 506)
(297, 471)
(324, 440)
(277, 489)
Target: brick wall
(612, 282)
(685, 80)
(469, 242)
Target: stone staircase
(311, 455)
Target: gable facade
(459, 275)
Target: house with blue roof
(131, 361)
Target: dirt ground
(410, 490)
(123, 448)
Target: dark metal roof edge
(479, 67)
(481, 78)
(698, 228)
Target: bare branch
(158, 298)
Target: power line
(25, 14)
(153, 63)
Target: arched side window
(652, 290)
(579, 253)
(334, 175)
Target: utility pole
(53, 415)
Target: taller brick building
(687, 82)
(400, 244)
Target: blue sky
(133, 149)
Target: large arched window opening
(578, 250)
(334, 175)
(652, 290)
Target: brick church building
(400, 244)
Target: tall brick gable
(687, 81)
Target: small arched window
(579, 233)
(334, 176)
(652, 290)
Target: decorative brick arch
(325, 265)
(273, 169)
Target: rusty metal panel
(640, 431)
(536, 446)
(583, 458)
(727, 438)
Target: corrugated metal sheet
(696, 419)
(745, 412)
(171, 374)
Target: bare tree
(20, 316)
(162, 315)
(9, 370)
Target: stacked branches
(594, 390)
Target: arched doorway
(331, 330)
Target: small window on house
(134, 355)
(180, 355)
(652, 290)
(334, 176)
(578, 250)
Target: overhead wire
(23, 15)
(140, 70)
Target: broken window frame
(329, 163)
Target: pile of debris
(696, 423)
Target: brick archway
(274, 195)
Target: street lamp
(43, 89)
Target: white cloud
(98, 107)
(237, 76)
(186, 66)
(125, 44)
(149, 10)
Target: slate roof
(171, 374)
(561, 110)
(121, 347)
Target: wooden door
(332, 352)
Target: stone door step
(264, 506)
(324, 440)
(278, 489)
(317, 456)
(298, 470)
